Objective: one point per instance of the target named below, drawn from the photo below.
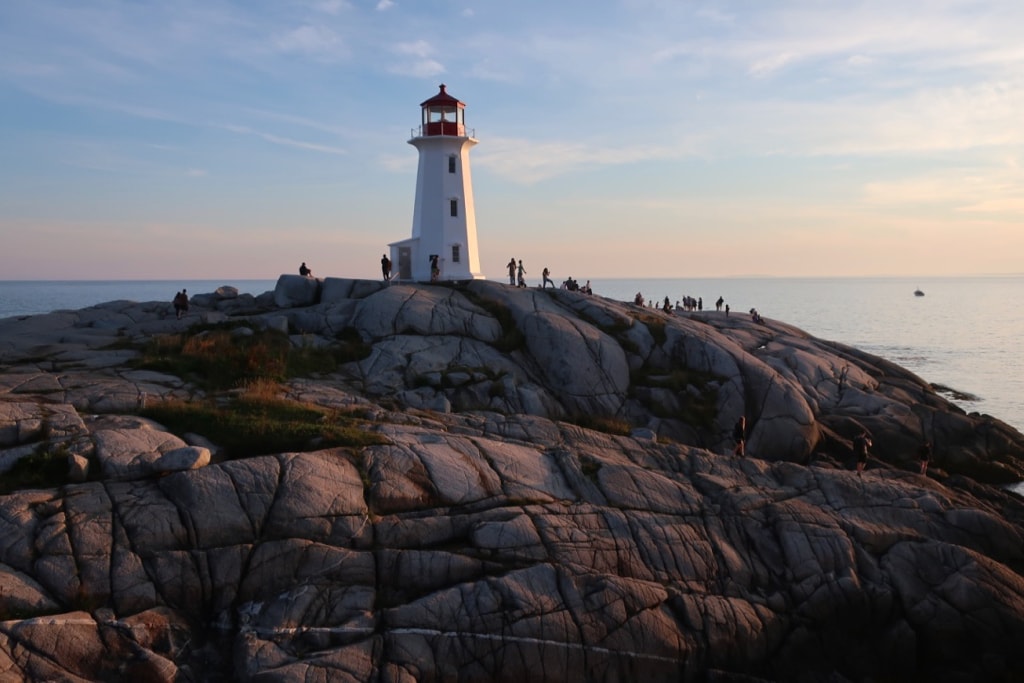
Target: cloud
(332, 6)
(422, 65)
(979, 189)
(280, 140)
(530, 161)
(315, 41)
(769, 65)
(384, 5)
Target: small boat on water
(918, 292)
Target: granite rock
(552, 500)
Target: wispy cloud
(332, 7)
(422, 62)
(977, 190)
(771, 64)
(530, 161)
(315, 41)
(280, 140)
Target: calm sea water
(963, 334)
(31, 297)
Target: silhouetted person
(739, 435)
(545, 275)
(512, 271)
(304, 271)
(385, 267)
(924, 456)
(861, 444)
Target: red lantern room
(443, 115)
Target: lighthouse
(443, 242)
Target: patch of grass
(512, 339)
(220, 357)
(260, 423)
(699, 411)
(613, 329)
(601, 423)
(590, 467)
(655, 325)
(46, 468)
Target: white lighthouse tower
(444, 217)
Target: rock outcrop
(552, 499)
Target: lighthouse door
(404, 263)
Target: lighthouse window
(451, 164)
(455, 207)
(455, 253)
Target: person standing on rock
(861, 444)
(521, 271)
(718, 304)
(385, 267)
(547, 279)
(739, 434)
(512, 271)
(924, 456)
(435, 270)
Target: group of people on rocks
(688, 303)
(517, 278)
(516, 273)
(574, 286)
(691, 304)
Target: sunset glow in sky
(631, 138)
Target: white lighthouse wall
(434, 226)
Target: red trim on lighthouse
(442, 98)
(443, 115)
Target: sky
(204, 139)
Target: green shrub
(43, 469)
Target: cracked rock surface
(495, 536)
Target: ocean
(964, 333)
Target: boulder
(296, 290)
